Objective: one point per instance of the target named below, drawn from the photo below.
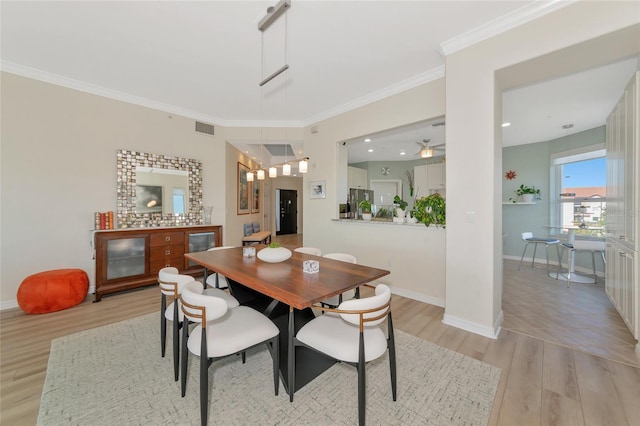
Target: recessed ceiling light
(370, 150)
(367, 140)
(506, 124)
(402, 153)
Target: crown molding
(394, 89)
(507, 22)
(93, 89)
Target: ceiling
(204, 59)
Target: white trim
(490, 332)
(420, 297)
(9, 304)
(59, 80)
(505, 23)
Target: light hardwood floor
(542, 383)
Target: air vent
(204, 128)
(441, 123)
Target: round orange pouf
(52, 291)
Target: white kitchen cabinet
(420, 181)
(436, 176)
(622, 283)
(357, 178)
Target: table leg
(290, 354)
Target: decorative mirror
(157, 190)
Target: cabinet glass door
(125, 257)
(201, 241)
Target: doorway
(287, 213)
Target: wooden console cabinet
(131, 258)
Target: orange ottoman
(52, 291)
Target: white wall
(474, 234)
(59, 166)
(413, 254)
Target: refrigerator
(355, 196)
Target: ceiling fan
(427, 151)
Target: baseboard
(417, 296)
(472, 327)
(8, 304)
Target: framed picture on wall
(255, 197)
(318, 189)
(244, 189)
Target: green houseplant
(399, 202)
(431, 210)
(365, 205)
(526, 193)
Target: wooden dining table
(285, 293)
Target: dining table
(286, 294)
(571, 237)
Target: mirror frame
(126, 163)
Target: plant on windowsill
(365, 205)
(526, 194)
(431, 210)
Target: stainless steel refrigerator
(355, 196)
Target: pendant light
(303, 164)
(249, 176)
(273, 172)
(286, 169)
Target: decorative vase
(366, 216)
(274, 255)
(207, 210)
(527, 198)
(400, 212)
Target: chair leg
(163, 324)
(392, 357)
(204, 379)
(185, 359)
(560, 256)
(275, 355)
(176, 341)
(535, 247)
(523, 253)
(362, 386)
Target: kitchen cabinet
(623, 163)
(357, 178)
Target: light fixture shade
(286, 169)
(260, 174)
(273, 172)
(302, 165)
(426, 152)
(249, 176)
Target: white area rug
(114, 375)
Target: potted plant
(431, 209)
(365, 205)
(401, 205)
(526, 193)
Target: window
(178, 200)
(579, 191)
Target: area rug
(114, 375)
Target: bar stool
(528, 238)
(582, 245)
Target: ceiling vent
(204, 128)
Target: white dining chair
(309, 250)
(171, 284)
(595, 247)
(222, 332)
(528, 238)
(350, 294)
(352, 334)
(215, 279)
